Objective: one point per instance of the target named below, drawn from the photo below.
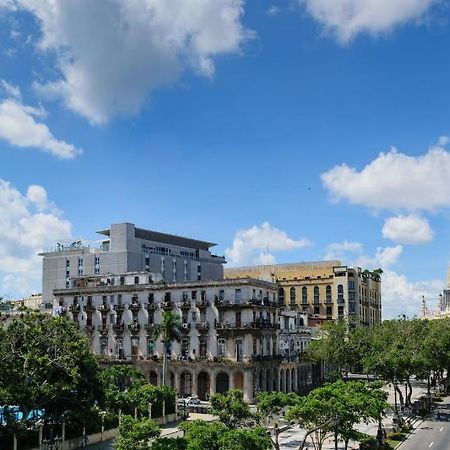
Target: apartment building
(124, 248)
(323, 290)
(234, 331)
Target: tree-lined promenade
(48, 377)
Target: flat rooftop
(165, 238)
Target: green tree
(231, 408)
(168, 331)
(336, 408)
(45, 364)
(203, 435)
(245, 439)
(135, 434)
(270, 407)
(169, 444)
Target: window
(292, 295)
(281, 296)
(316, 294)
(194, 295)
(340, 293)
(203, 348)
(80, 266)
(221, 294)
(97, 265)
(328, 294)
(317, 310)
(340, 311)
(329, 311)
(238, 350)
(136, 280)
(67, 262)
(304, 295)
(351, 285)
(352, 308)
(237, 295)
(221, 347)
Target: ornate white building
(234, 333)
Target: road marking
(441, 430)
(431, 445)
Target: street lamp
(335, 423)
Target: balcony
(74, 308)
(89, 308)
(185, 304)
(244, 328)
(150, 328)
(89, 328)
(104, 308)
(150, 306)
(201, 303)
(118, 328)
(103, 329)
(167, 305)
(119, 308)
(203, 327)
(185, 328)
(134, 328)
(134, 306)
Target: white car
(188, 401)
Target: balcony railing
(150, 306)
(134, 328)
(118, 328)
(203, 327)
(119, 308)
(201, 303)
(167, 305)
(247, 326)
(185, 304)
(89, 308)
(74, 308)
(134, 306)
(104, 308)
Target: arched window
(301, 322)
(316, 294)
(340, 293)
(281, 296)
(221, 347)
(292, 295)
(328, 293)
(304, 295)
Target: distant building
(324, 290)
(234, 332)
(126, 248)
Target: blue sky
(230, 121)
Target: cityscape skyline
(284, 131)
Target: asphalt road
(433, 433)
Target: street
(433, 433)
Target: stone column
(212, 383)
(231, 378)
(248, 385)
(194, 383)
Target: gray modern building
(124, 249)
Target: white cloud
(28, 223)
(347, 18)
(399, 294)
(254, 245)
(272, 10)
(395, 181)
(10, 90)
(19, 127)
(408, 229)
(111, 54)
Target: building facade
(324, 290)
(125, 249)
(234, 331)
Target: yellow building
(325, 290)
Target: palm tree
(168, 331)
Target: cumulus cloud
(399, 294)
(254, 245)
(20, 126)
(395, 181)
(408, 229)
(28, 223)
(115, 53)
(347, 18)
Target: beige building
(324, 290)
(234, 332)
